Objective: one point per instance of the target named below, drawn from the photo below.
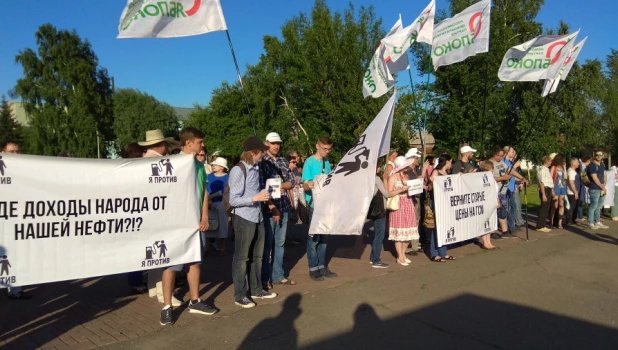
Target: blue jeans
(511, 216)
(519, 220)
(433, 245)
(316, 249)
(248, 242)
(274, 239)
(594, 209)
(379, 228)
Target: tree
(10, 130)
(66, 93)
(469, 104)
(308, 80)
(136, 112)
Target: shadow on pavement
(464, 322)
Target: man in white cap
(463, 164)
(273, 167)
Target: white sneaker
(600, 225)
(593, 227)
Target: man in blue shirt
(316, 244)
(512, 194)
(248, 222)
(596, 173)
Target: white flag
(378, 79)
(464, 35)
(397, 44)
(554, 69)
(570, 61)
(551, 85)
(531, 60)
(163, 19)
(341, 208)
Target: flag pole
(244, 93)
(426, 100)
(418, 120)
(484, 109)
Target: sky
(184, 71)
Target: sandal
(438, 259)
(288, 282)
(448, 257)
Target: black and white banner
(465, 206)
(342, 206)
(69, 218)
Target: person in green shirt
(192, 142)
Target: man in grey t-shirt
(502, 177)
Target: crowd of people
(253, 202)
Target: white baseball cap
(222, 162)
(466, 149)
(273, 137)
(413, 152)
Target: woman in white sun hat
(216, 184)
(402, 223)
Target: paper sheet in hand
(415, 186)
(274, 187)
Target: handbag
(429, 221)
(393, 203)
(213, 220)
(376, 207)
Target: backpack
(226, 192)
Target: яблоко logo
(551, 48)
(172, 9)
(476, 29)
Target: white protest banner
(343, 204)
(610, 188)
(397, 44)
(378, 79)
(531, 60)
(415, 186)
(465, 206)
(169, 19)
(464, 35)
(85, 217)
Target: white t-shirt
(571, 176)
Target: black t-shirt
(461, 167)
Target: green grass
(534, 202)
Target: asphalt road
(558, 292)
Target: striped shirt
(242, 192)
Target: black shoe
(412, 253)
(316, 275)
(166, 317)
(200, 307)
(508, 235)
(496, 236)
(20, 296)
(325, 272)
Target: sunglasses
(599, 154)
